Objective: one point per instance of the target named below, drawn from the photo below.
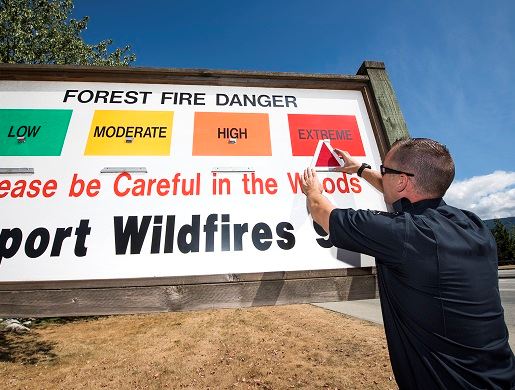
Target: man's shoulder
(460, 217)
(364, 213)
(368, 217)
(391, 214)
(451, 211)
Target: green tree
(505, 241)
(41, 32)
(512, 245)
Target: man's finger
(310, 175)
(342, 153)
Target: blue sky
(451, 63)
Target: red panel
(342, 130)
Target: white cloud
(489, 196)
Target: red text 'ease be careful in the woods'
(177, 184)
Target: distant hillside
(508, 222)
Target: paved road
(507, 289)
(370, 310)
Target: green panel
(44, 131)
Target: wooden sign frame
(94, 297)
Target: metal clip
(124, 169)
(233, 169)
(16, 171)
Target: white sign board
(139, 180)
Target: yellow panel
(151, 133)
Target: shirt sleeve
(374, 233)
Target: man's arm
(362, 231)
(318, 205)
(352, 166)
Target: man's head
(428, 161)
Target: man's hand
(310, 183)
(351, 165)
(318, 205)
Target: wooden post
(390, 113)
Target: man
(436, 269)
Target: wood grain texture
(124, 300)
(393, 123)
(180, 280)
(180, 76)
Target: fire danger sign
(163, 180)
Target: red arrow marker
(325, 159)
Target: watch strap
(362, 168)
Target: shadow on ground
(26, 348)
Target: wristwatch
(362, 168)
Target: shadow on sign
(348, 257)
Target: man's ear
(402, 183)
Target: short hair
(429, 161)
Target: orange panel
(231, 134)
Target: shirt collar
(404, 205)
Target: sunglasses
(384, 170)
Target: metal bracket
(233, 169)
(16, 171)
(124, 169)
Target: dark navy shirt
(438, 286)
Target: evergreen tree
(505, 241)
(512, 244)
(41, 32)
